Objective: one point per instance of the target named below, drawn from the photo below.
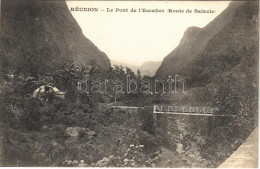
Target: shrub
(32, 116)
(149, 141)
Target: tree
(129, 72)
(138, 78)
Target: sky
(137, 37)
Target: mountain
(221, 57)
(149, 68)
(39, 36)
(234, 30)
(220, 66)
(234, 49)
(134, 68)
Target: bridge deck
(194, 111)
(192, 114)
(178, 110)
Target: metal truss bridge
(198, 111)
(177, 110)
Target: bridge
(181, 110)
(198, 111)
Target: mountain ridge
(43, 35)
(150, 67)
(194, 41)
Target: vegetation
(42, 132)
(74, 130)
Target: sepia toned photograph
(129, 84)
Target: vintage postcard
(144, 84)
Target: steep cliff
(38, 36)
(220, 65)
(234, 30)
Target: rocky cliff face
(235, 28)
(38, 36)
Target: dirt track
(246, 156)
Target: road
(246, 156)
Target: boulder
(45, 127)
(133, 164)
(179, 148)
(91, 133)
(126, 160)
(75, 162)
(153, 165)
(74, 131)
(103, 163)
(111, 157)
(69, 162)
(82, 165)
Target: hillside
(38, 35)
(233, 29)
(233, 49)
(220, 65)
(149, 68)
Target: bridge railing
(184, 110)
(168, 109)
